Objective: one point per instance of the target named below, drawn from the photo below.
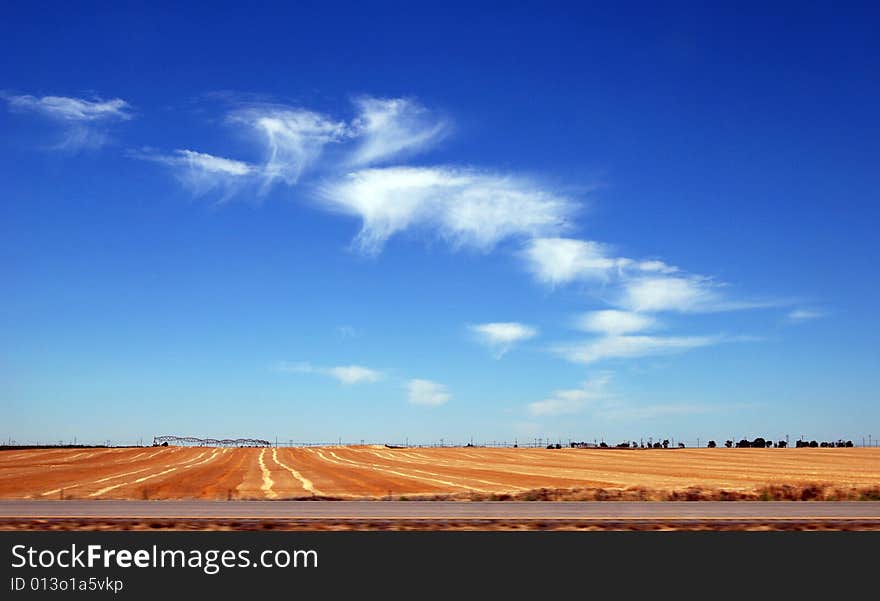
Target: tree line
(758, 443)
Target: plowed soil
(375, 472)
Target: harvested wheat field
(466, 473)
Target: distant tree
(743, 444)
(711, 444)
(728, 443)
(781, 444)
(657, 445)
(681, 445)
(813, 444)
(665, 444)
(849, 443)
(759, 443)
(603, 445)
(558, 446)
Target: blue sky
(383, 222)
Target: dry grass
(774, 492)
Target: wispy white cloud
(646, 286)
(501, 336)
(683, 294)
(213, 164)
(84, 123)
(426, 392)
(354, 374)
(202, 172)
(345, 374)
(465, 206)
(294, 138)
(802, 315)
(628, 347)
(565, 402)
(657, 266)
(561, 260)
(595, 398)
(556, 261)
(67, 108)
(614, 322)
(390, 127)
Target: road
(751, 511)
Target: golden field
(379, 472)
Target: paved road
(440, 510)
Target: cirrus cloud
(67, 108)
(390, 127)
(293, 138)
(345, 374)
(467, 207)
(201, 172)
(566, 402)
(629, 347)
(501, 336)
(683, 294)
(84, 123)
(426, 392)
(614, 322)
(556, 261)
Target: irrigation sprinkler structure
(209, 442)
